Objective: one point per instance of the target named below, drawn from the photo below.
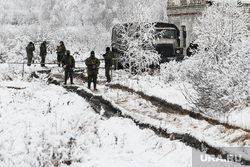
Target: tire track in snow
(165, 106)
(99, 104)
(174, 108)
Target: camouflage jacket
(69, 61)
(108, 58)
(43, 50)
(61, 49)
(29, 49)
(92, 64)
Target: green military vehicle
(166, 41)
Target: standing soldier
(92, 64)
(43, 53)
(108, 63)
(68, 63)
(192, 48)
(60, 52)
(29, 49)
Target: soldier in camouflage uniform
(92, 64)
(68, 63)
(43, 53)
(29, 49)
(108, 63)
(60, 52)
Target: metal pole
(184, 35)
(23, 70)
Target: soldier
(68, 63)
(108, 63)
(43, 53)
(60, 52)
(29, 49)
(92, 64)
(192, 48)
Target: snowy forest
(46, 125)
(83, 24)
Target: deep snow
(44, 124)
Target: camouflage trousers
(68, 74)
(107, 73)
(29, 60)
(92, 78)
(43, 61)
(59, 58)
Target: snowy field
(41, 125)
(44, 125)
(47, 125)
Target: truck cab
(167, 42)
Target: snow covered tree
(137, 36)
(84, 24)
(221, 77)
(139, 54)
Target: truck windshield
(165, 34)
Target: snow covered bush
(138, 53)
(222, 74)
(177, 71)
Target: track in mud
(169, 107)
(174, 108)
(98, 103)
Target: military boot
(95, 86)
(65, 81)
(71, 81)
(109, 79)
(89, 85)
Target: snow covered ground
(173, 93)
(41, 124)
(44, 125)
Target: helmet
(68, 52)
(92, 53)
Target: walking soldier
(108, 63)
(92, 64)
(60, 52)
(29, 50)
(68, 63)
(43, 53)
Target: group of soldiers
(43, 52)
(68, 62)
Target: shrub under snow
(221, 77)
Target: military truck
(166, 41)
